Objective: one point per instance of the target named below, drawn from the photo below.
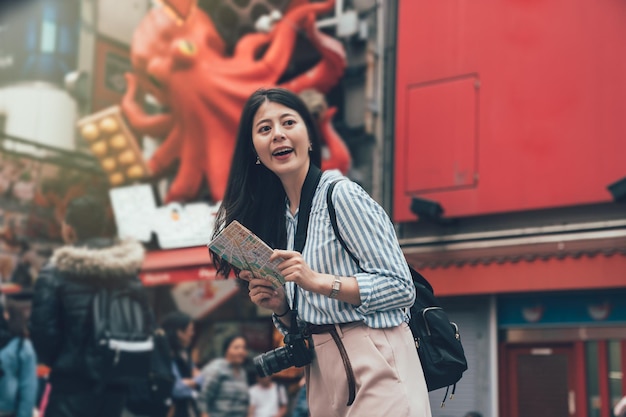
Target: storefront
(542, 320)
(562, 353)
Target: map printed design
(246, 251)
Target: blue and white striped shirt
(386, 288)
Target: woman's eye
(264, 129)
(290, 122)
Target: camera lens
(273, 361)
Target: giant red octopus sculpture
(184, 66)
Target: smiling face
(236, 353)
(281, 140)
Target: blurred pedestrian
(18, 362)
(267, 398)
(22, 275)
(225, 382)
(179, 329)
(301, 407)
(64, 291)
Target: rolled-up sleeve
(385, 282)
(279, 325)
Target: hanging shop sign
(200, 298)
(175, 225)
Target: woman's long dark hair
(254, 195)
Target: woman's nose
(278, 133)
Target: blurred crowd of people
(43, 343)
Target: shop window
(615, 371)
(48, 36)
(604, 374)
(593, 387)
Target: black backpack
(121, 345)
(437, 339)
(153, 395)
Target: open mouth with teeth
(282, 152)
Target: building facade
(508, 192)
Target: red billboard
(507, 106)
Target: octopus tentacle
(339, 154)
(167, 152)
(190, 174)
(249, 44)
(186, 184)
(275, 59)
(325, 74)
(154, 125)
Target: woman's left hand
(295, 269)
(263, 294)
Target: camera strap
(311, 181)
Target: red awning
(176, 258)
(175, 276)
(555, 264)
(552, 274)
(164, 267)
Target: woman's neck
(293, 188)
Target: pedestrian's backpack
(437, 339)
(121, 345)
(154, 394)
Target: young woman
(356, 314)
(225, 382)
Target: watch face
(336, 287)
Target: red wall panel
(508, 105)
(449, 162)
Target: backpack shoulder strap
(417, 277)
(333, 220)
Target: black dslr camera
(296, 352)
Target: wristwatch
(336, 287)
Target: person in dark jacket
(61, 309)
(179, 329)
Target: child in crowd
(267, 398)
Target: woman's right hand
(263, 294)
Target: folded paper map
(246, 251)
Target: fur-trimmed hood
(122, 260)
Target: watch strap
(336, 287)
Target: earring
(310, 147)
(258, 161)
